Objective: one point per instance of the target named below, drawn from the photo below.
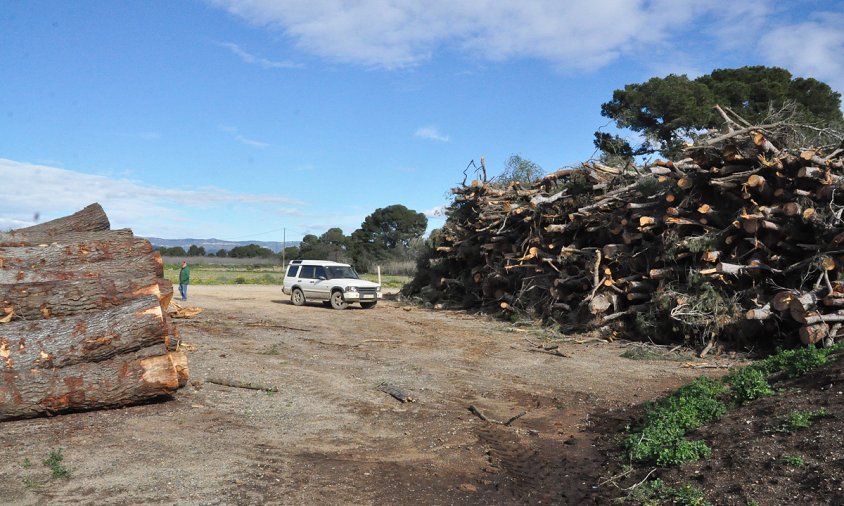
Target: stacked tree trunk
(741, 239)
(83, 320)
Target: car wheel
(298, 297)
(368, 305)
(337, 301)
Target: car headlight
(379, 288)
(351, 289)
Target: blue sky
(237, 119)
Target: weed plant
(54, 462)
(793, 460)
(661, 439)
(794, 363)
(748, 384)
(796, 420)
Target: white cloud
(52, 192)
(243, 139)
(251, 142)
(811, 48)
(431, 133)
(575, 34)
(250, 58)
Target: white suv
(335, 284)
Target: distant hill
(215, 245)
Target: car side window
(320, 272)
(307, 272)
(291, 271)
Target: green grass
(387, 281)
(255, 275)
(228, 275)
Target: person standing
(184, 280)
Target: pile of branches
(740, 240)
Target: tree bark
(84, 337)
(63, 298)
(120, 381)
(90, 219)
(137, 266)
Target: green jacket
(184, 275)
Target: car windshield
(342, 271)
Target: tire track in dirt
(536, 470)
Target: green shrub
(797, 362)
(661, 439)
(747, 384)
(240, 280)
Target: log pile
(742, 239)
(82, 319)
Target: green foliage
(240, 280)
(392, 227)
(661, 439)
(389, 233)
(794, 363)
(26, 464)
(747, 384)
(250, 251)
(701, 243)
(54, 462)
(657, 493)
(796, 420)
(648, 186)
(176, 251)
(793, 460)
(196, 251)
(332, 245)
(519, 170)
(669, 110)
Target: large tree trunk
(125, 379)
(84, 337)
(86, 325)
(91, 219)
(63, 298)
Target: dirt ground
(329, 435)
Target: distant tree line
(178, 251)
(392, 233)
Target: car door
(306, 280)
(322, 285)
